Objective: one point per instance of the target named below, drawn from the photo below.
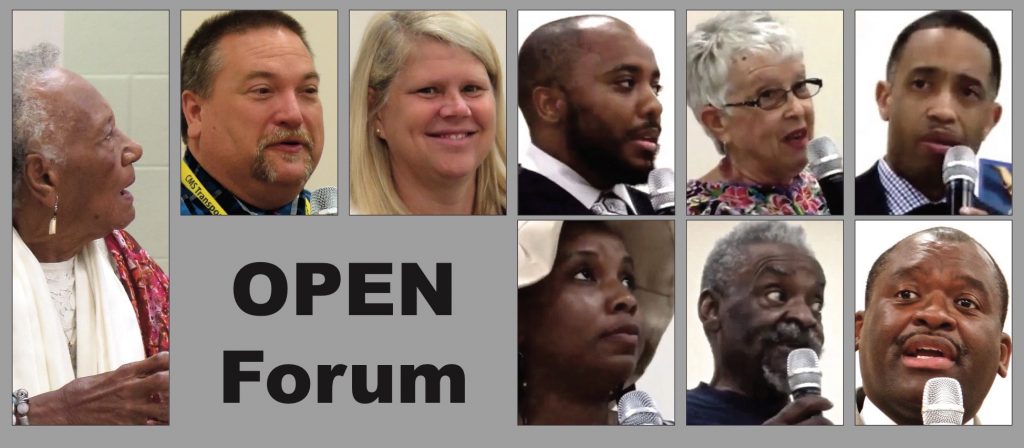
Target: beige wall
(825, 238)
(123, 54)
(821, 34)
(322, 35)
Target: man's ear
(858, 323)
(1005, 350)
(708, 307)
(997, 113)
(550, 104)
(883, 97)
(712, 119)
(40, 179)
(192, 108)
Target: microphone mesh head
(959, 163)
(323, 198)
(802, 367)
(636, 408)
(943, 402)
(823, 156)
(662, 182)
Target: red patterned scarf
(147, 288)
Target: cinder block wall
(124, 54)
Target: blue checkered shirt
(900, 196)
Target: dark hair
(948, 19)
(946, 235)
(547, 55)
(199, 61)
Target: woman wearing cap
(594, 300)
(748, 88)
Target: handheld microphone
(943, 401)
(636, 408)
(324, 201)
(826, 164)
(662, 183)
(960, 174)
(803, 373)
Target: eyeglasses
(775, 98)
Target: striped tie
(609, 204)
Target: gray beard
(262, 170)
(778, 380)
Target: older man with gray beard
(761, 296)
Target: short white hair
(712, 47)
(30, 117)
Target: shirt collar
(900, 196)
(542, 163)
(871, 415)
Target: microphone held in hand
(636, 408)
(803, 372)
(826, 164)
(960, 174)
(943, 401)
(662, 183)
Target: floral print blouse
(802, 197)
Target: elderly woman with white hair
(748, 88)
(90, 308)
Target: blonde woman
(427, 118)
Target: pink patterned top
(802, 197)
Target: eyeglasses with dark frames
(775, 98)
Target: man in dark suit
(588, 90)
(942, 79)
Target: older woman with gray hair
(89, 306)
(748, 88)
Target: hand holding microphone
(805, 385)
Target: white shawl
(107, 327)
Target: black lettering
(439, 299)
(233, 375)
(432, 380)
(243, 288)
(360, 385)
(325, 376)
(359, 287)
(275, 383)
(306, 289)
